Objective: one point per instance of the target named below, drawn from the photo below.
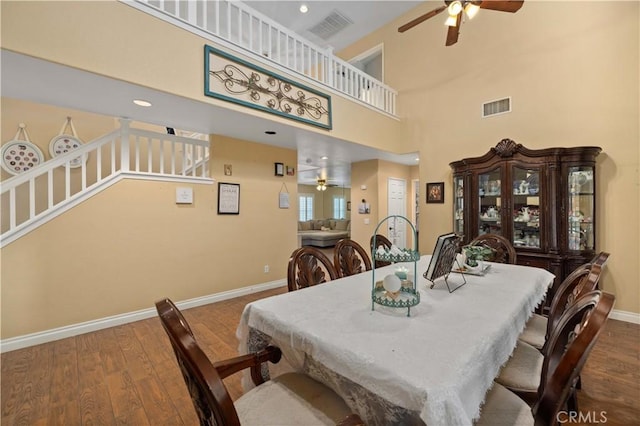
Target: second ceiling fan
(456, 8)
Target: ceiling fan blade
(420, 19)
(453, 32)
(502, 6)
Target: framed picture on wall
(228, 198)
(279, 169)
(435, 192)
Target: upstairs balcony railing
(32, 198)
(243, 27)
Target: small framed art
(228, 198)
(435, 192)
(279, 169)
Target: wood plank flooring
(127, 375)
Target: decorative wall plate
(64, 143)
(20, 156)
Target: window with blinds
(305, 204)
(339, 207)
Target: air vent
(331, 25)
(501, 106)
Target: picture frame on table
(435, 192)
(442, 259)
(228, 198)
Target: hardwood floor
(127, 374)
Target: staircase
(33, 198)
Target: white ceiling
(32, 79)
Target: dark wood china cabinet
(542, 200)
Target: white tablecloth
(436, 365)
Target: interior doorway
(397, 206)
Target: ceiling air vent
(331, 25)
(501, 106)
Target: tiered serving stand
(407, 296)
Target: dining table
(433, 367)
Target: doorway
(397, 206)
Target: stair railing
(44, 192)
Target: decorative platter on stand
(64, 143)
(21, 155)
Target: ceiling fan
(455, 8)
(323, 185)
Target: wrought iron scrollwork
(277, 92)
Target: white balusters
(284, 47)
(33, 197)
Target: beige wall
(132, 244)
(374, 174)
(573, 82)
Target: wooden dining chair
(350, 258)
(308, 266)
(291, 398)
(571, 343)
(583, 279)
(521, 374)
(376, 241)
(503, 251)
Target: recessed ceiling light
(304, 8)
(270, 132)
(142, 103)
(324, 157)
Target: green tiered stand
(407, 296)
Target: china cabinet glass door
(458, 205)
(490, 203)
(526, 207)
(581, 208)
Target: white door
(397, 205)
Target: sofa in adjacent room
(323, 232)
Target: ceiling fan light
(319, 187)
(454, 8)
(451, 21)
(471, 10)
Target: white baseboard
(33, 339)
(625, 316)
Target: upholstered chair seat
(503, 407)
(535, 332)
(291, 399)
(522, 373)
